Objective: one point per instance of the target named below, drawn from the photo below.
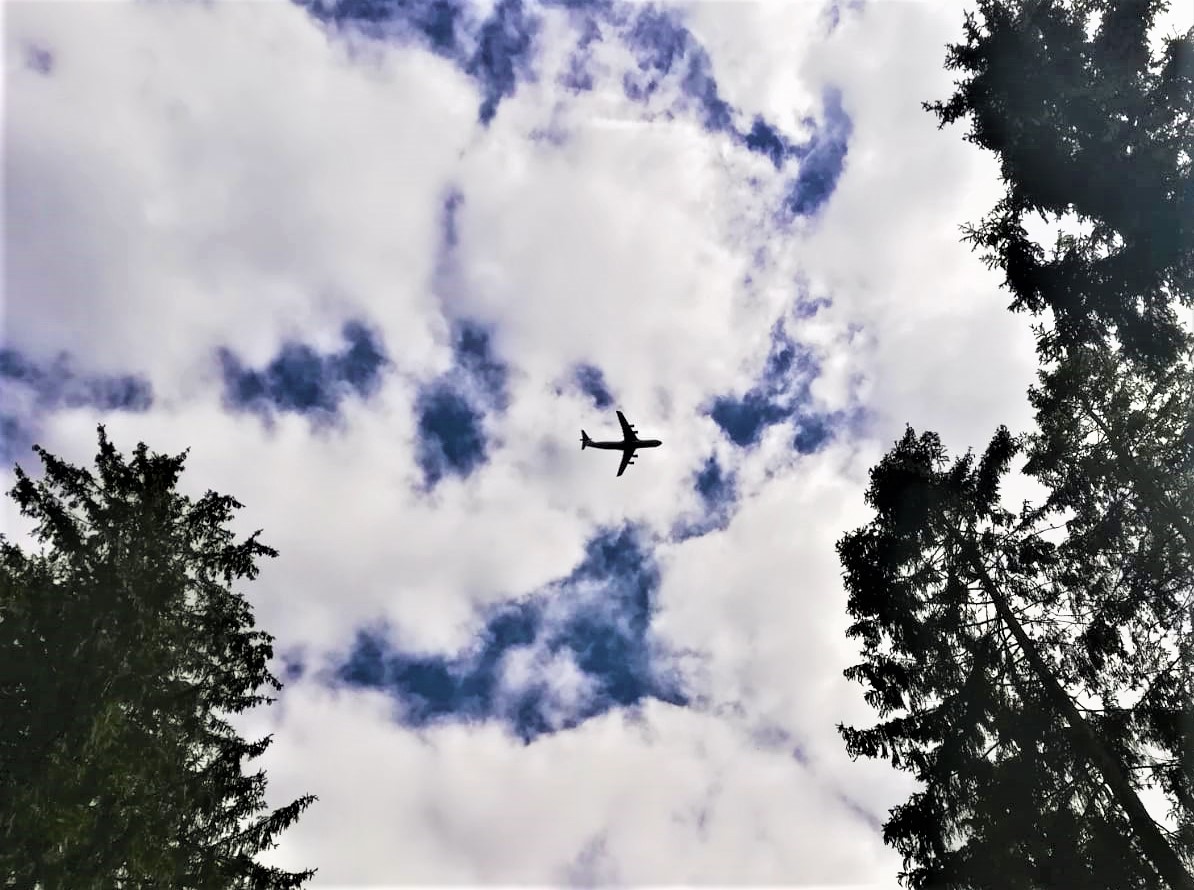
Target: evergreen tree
(123, 649)
(1033, 687)
(1005, 688)
(1115, 446)
(1093, 127)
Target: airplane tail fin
(584, 440)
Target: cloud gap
(569, 652)
(504, 53)
(30, 389)
(451, 409)
(591, 381)
(300, 380)
(823, 159)
(39, 59)
(663, 47)
(496, 50)
(782, 394)
(717, 493)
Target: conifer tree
(1036, 687)
(123, 651)
(1097, 129)
(1028, 685)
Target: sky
(376, 264)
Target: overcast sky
(377, 267)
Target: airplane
(629, 444)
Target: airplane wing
(627, 457)
(627, 430)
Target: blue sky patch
(823, 161)
(449, 220)
(360, 364)
(503, 53)
(496, 52)
(446, 280)
(663, 47)
(451, 440)
(39, 59)
(29, 389)
(781, 395)
(436, 21)
(302, 381)
(14, 437)
(821, 158)
(743, 419)
(58, 385)
(718, 495)
(476, 360)
(293, 667)
(585, 5)
(592, 866)
(860, 812)
(812, 432)
(578, 77)
(659, 39)
(592, 383)
(716, 114)
(807, 308)
(766, 140)
(597, 618)
(715, 487)
(451, 409)
(833, 12)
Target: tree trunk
(1159, 852)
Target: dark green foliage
(1035, 686)
(942, 584)
(1095, 127)
(122, 651)
(1116, 448)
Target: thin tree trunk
(1160, 853)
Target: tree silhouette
(122, 651)
(1094, 127)
(993, 649)
(1036, 686)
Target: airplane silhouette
(629, 444)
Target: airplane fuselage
(622, 446)
(628, 446)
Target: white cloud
(194, 176)
(667, 795)
(199, 174)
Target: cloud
(495, 49)
(29, 389)
(651, 796)
(548, 662)
(377, 264)
(783, 393)
(267, 202)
